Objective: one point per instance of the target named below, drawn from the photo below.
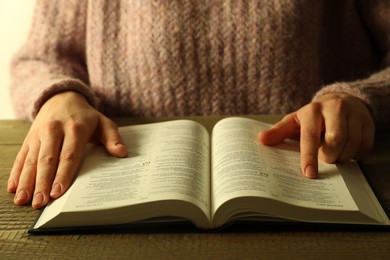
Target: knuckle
(287, 117)
(338, 104)
(19, 160)
(47, 160)
(67, 157)
(328, 159)
(52, 126)
(334, 138)
(30, 162)
(327, 156)
(76, 127)
(313, 107)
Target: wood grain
(16, 243)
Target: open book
(176, 170)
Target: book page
(166, 161)
(241, 166)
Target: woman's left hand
(336, 127)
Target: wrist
(66, 96)
(65, 99)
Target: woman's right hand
(53, 148)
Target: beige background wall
(15, 21)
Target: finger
(27, 177)
(335, 135)
(310, 119)
(17, 168)
(285, 128)
(47, 166)
(70, 157)
(111, 138)
(368, 138)
(353, 140)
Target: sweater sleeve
(52, 60)
(374, 90)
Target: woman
(322, 63)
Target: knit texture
(203, 57)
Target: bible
(176, 170)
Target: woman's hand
(52, 150)
(335, 127)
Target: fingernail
(310, 172)
(22, 195)
(56, 190)
(123, 150)
(38, 198)
(11, 186)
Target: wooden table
(16, 243)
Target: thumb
(288, 127)
(111, 139)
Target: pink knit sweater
(202, 57)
